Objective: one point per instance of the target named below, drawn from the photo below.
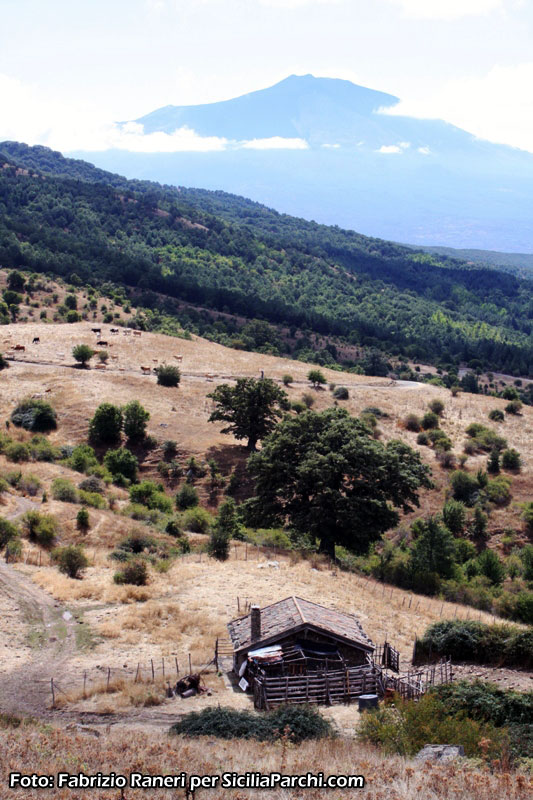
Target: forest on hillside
(65, 217)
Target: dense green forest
(67, 217)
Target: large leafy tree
(251, 408)
(325, 475)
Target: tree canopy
(325, 475)
(251, 408)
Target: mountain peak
(302, 106)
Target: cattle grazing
(114, 331)
(36, 340)
(101, 343)
(99, 366)
(137, 333)
(96, 330)
(146, 370)
(126, 332)
(178, 358)
(114, 358)
(19, 347)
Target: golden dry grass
(48, 751)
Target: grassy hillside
(223, 252)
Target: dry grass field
(120, 632)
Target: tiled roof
(292, 612)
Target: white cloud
(497, 106)
(274, 143)
(449, 9)
(424, 150)
(290, 4)
(331, 146)
(389, 149)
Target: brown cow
(19, 347)
(137, 333)
(101, 343)
(146, 370)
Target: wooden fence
(414, 684)
(339, 686)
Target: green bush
(511, 460)
(82, 353)
(302, 722)
(29, 484)
(121, 463)
(168, 375)
(135, 419)
(134, 573)
(341, 393)
(197, 520)
(187, 497)
(43, 450)
(71, 560)
(316, 377)
(106, 424)
(407, 727)
(82, 520)
(13, 550)
(470, 640)
(34, 415)
(64, 490)
(287, 380)
(430, 420)
(491, 567)
(40, 528)
(437, 406)
(496, 415)
(218, 545)
(464, 487)
(486, 701)
(137, 543)
(92, 499)
(82, 458)
(17, 452)
(147, 493)
(514, 407)
(498, 490)
(92, 484)
(412, 423)
(8, 531)
(454, 516)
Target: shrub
(121, 463)
(439, 439)
(469, 640)
(341, 393)
(82, 353)
(303, 722)
(82, 520)
(407, 727)
(64, 490)
(197, 520)
(308, 400)
(29, 484)
(168, 375)
(134, 573)
(464, 487)
(93, 499)
(496, 415)
(422, 438)
(437, 406)
(446, 459)
(92, 484)
(491, 567)
(40, 528)
(106, 424)
(316, 377)
(170, 449)
(218, 546)
(298, 406)
(8, 531)
(72, 316)
(17, 452)
(147, 493)
(287, 380)
(376, 411)
(135, 419)
(34, 415)
(187, 497)
(454, 516)
(511, 460)
(514, 407)
(498, 490)
(137, 543)
(71, 560)
(412, 423)
(485, 701)
(430, 420)
(82, 458)
(13, 550)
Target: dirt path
(51, 635)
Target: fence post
(53, 693)
(108, 677)
(153, 673)
(190, 664)
(84, 681)
(177, 665)
(163, 665)
(216, 654)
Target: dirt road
(24, 690)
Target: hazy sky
(69, 68)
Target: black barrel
(367, 701)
